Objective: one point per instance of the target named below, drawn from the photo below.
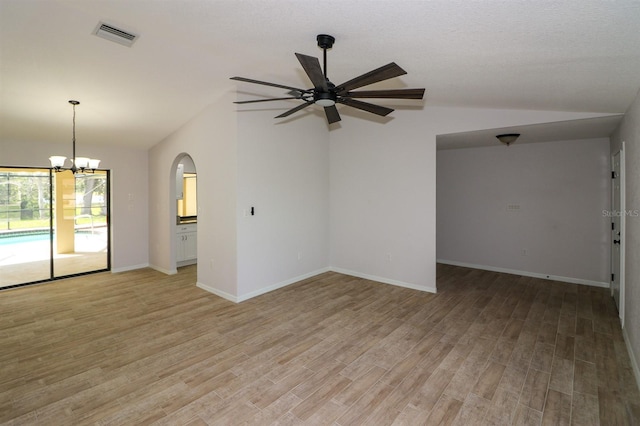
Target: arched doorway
(186, 211)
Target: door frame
(622, 216)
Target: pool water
(29, 238)
(44, 236)
(34, 247)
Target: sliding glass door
(52, 225)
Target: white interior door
(617, 231)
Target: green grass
(97, 220)
(16, 223)
(23, 224)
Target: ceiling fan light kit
(326, 99)
(326, 94)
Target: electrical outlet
(388, 257)
(299, 255)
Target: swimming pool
(36, 237)
(24, 238)
(24, 247)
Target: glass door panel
(81, 242)
(25, 231)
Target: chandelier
(78, 164)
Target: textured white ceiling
(571, 55)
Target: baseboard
(632, 357)
(383, 280)
(129, 268)
(247, 296)
(526, 273)
(186, 263)
(164, 271)
(217, 292)
(282, 284)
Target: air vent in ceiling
(111, 33)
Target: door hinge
(613, 226)
(613, 276)
(613, 175)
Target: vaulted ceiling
(572, 55)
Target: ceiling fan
(327, 94)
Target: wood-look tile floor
(141, 347)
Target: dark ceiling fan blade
(389, 94)
(365, 106)
(263, 100)
(296, 109)
(332, 114)
(266, 83)
(312, 67)
(383, 73)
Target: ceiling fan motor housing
(325, 98)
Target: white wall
(629, 132)
(129, 175)
(383, 188)
(189, 166)
(562, 189)
(245, 159)
(380, 199)
(210, 140)
(283, 172)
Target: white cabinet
(186, 244)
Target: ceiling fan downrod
(325, 42)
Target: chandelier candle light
(78, 164)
